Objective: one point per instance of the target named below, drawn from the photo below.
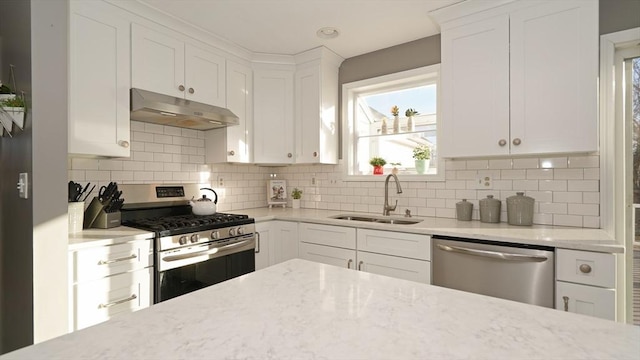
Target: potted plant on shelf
(422, 156)
(410, 113)
(296, 195)
(13, 105)
(395, 111)
(395, 170)
(377, 163)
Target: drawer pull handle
(257, 251)
(566, 303)
(117, 302)
(349, 264)
(107, 262)
(585, 269)
(360, 265)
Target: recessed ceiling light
(327, 33)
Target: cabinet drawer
(96, 263)
(330, 235)
(394, 243)
(396, 267)
(586, 300)
(584, 267)
(100, 300)
(328, 255)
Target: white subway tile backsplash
(162, 157)
(455, 164)
(568, 174)
(584, 209)
(84, 164)
(153, 166)
(153, 128)
(524, 185)
(591, 222)
(541, 196)
(477, 164)
(583, 185)
(525, 163)
(153, 147)
(567, 220)
(171, 130)
(592, 174)
(141, 136)
(465, 174)
(190, 133)
(552, 208)
(500, 164)
(553, 163)
(591, 161)
(137, 126)
(540, 174)
(456, 184)
(513, 174)
(591, 197)
(567, 197)
(553, 185)
(162, 139)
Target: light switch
(23, 185)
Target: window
(370, 129)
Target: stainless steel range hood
(161, 109)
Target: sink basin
(377, 219)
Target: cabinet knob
(502, 142)
(181, 87)
(585, 269)
(517, 141)
(191, 91)
(315, 154)
(566, 303)
(232, 153)
(123, 143)
(289, 155)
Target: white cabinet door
(396, 267)
(263, 245)
(157, 62)
(586, 300)
(308, 115)
(284, 240)
(234, 143)
(328, 255)
(99, 75)
(101, 300)
(273, 117)
(475, 89)
(205, 76)
(554, 72)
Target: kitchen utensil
(204, 205)
(520, 209)
(89, 193)
(74, 191)
(106, 192)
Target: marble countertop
(101, 237)
(300, 309)
(555, 236)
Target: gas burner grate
(188, 223)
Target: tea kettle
(204, 205)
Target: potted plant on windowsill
(377, 163)
(422, 157)
(296, 195)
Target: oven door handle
(209, 251)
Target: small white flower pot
(17, 114)
(295, 203)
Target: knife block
(96, 217)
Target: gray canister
(464, 210)
(520, 209)
(490, 210)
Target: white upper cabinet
(167, 65)
(99, 80)
(520, 79)
(234, 143)
(273, 116)
(316, 107)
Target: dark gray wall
(16, 224)
(617, 15)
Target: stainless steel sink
(377, 219)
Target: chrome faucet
(388, 208)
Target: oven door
(188, 269)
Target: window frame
(349, 141)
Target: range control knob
(215, 235)
(232, 232)
(182, 240)
(194, 238)
(240, 230)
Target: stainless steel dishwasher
(516, 272)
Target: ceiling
(289, 26)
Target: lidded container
(520, 209)
(490, 210)
(464, 210)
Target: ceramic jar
(464, 210)
(490, 210)
(520, 209)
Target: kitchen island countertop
(300, 309)
(555, 236)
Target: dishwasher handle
(493, 254)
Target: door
(308, 115)
(240, 102)
(586, 300)
(205, 76)
(273, 117)
(475, 89)
(554, 73)
(99, 82)
(285, 241)
(157, 62)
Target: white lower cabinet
(276, 241)
(109, 280)
(585, 283)
(398, 255)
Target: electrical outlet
(484, 182)
(313, 180)
(220, 181)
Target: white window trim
(612, 197)
(348, 135)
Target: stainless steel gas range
(191, 251)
